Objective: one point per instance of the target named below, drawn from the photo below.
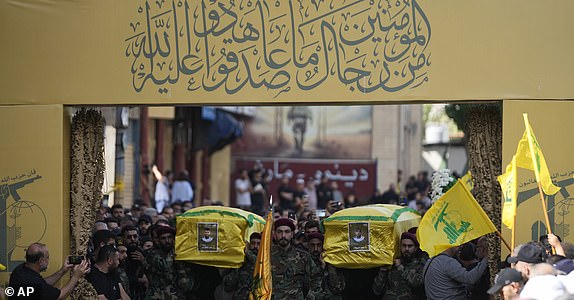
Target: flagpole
(513, 235)
(544, 208)
(535, 165)
(503, 240)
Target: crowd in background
(320, 196)
(132, 256)
(305, 199)
(132, 253)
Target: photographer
(37, 260)
(134, 263)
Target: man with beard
(404, 279)
(123, 255)
(332, 281)
(134, 262)
(291, 267)
(144, 224)
(103, 276)
(238, 280)
(28, 274)
(166, 279)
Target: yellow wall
(83, 52)
(35, 148)
(219, 184)
(551, 123)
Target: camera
(75, 259)
(132, 249)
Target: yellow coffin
(366, 236)
(215, 235)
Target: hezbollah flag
(529, 156)
(509, 192)
(454, 219)
(467, 180)
(261, 285)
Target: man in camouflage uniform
(292, 267)
(167, 279)
(238, 280)
(332, 281)
(403, 280)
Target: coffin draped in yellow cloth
(215, 235)
(367, 236)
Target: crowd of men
(138, 262)
(320, 196)
(131, 256)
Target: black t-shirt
(106, 284)
(26, 277)
(284, 202)
(324, 195)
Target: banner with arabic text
(357, 176)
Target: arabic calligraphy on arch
(365, 46)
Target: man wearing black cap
(508, 283)
(291, 267)
(402, 280)
(529, 255)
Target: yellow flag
(509, 192)
(467, 180)
(454, 219)
(261, 285)
(529, 156)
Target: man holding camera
(134, 263)
(37, 260)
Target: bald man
(37, 259)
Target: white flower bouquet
(442, 181)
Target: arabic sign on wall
(279, 46)
(351, 176)
(308, 132)
(277, 52)
(33, 197)
(546, 118)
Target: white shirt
(243, 198)
(543, 287)
(312, 197)
(207, 239)
(181, 191)
(162, 190)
